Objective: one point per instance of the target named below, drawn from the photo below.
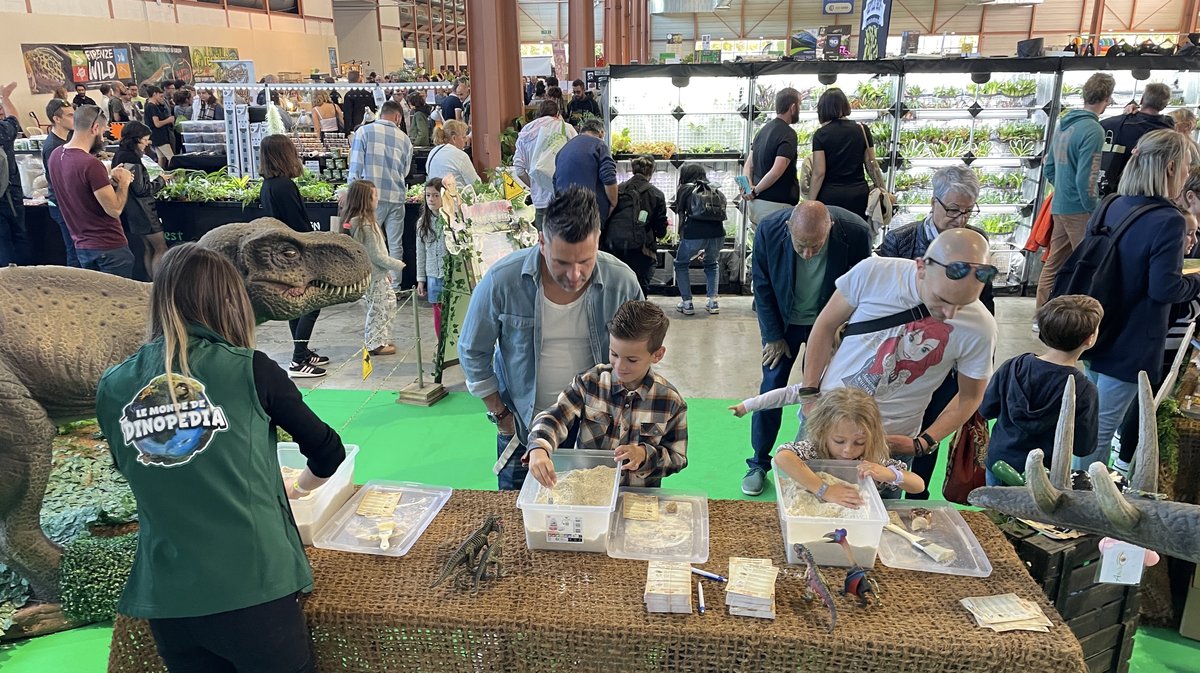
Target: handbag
(879, 201)
(848, 329)
(965, 464)
(549, 141)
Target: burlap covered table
(558, 611)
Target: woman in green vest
(191, 421)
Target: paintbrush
(934, 551)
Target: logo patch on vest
(171, 434)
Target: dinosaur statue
(63, 327)
(858, 582)
(815, 586)
(1138, 516)
(470, 562)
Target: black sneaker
(315, 358)
(305, 370)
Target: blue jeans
(764, 424)
(512, 475)
(68, 242)
(688, 248)
(991, 479)
(118, 261)
(1115, 398)
(390, 217)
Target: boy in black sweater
(1026, 392)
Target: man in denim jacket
(539, 318)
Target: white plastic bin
(313, 511)
(569, 527)
(862, 534)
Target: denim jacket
(502, 333)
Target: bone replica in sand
(1137, 517)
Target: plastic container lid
(948, 529)
(347, 531)
(687, 541)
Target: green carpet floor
(453, 444)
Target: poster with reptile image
(205, 66)
(49, 66)
(152, 63)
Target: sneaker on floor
(753, 482)
(686, 308)
(305, 370)
(712, 307)
(315, 358)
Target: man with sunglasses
(955, 190)
(909, 323)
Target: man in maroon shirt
(88, 201)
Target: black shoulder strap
(918, 312)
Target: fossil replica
(1138, 516)
(477, 554)
(63, 327)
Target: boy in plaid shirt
(622, 406)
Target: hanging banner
(49, 66)
(237, 72)
(204, 62)
(873, 34)
(560, 59)
(152, 63)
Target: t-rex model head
(289, 274)
(1135, 517)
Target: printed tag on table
(378, 503)
(1122, 563)
(639, 507)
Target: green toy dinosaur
(470, 562)
(64, 327)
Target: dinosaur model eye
(291, 253)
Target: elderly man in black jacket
(798, 254)
(955, 190)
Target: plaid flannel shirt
(382, 153)
(654, 415)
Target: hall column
(614, 31)
(581, 37)
(495, 64)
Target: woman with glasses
(1147, 281)
(955, 189)
(842, 151)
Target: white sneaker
(712, 307)
(686, 308)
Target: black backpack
(1094, 265)
(625, 230)
(706, 203)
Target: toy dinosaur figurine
(1171, 528)
(63, 327)
(816, 586)
(469, 563)
(857, 582)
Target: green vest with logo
(216, 531)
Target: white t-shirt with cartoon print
(902, 366)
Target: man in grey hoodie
(1073, 166)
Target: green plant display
(622, 141)
(908, 180)
(998, 196)
(881, 133)
(709, 148)
(1021, 87)
(94, 571)
(508, 140)
(1022, 147)
(804, 133)
(1015, 130)
(982, 148)
(914, 91)
(991, 88)
(1009, 180)
(999, 224)
(1071, 90)
(200, 187)
(914, 197)
(871, 96)
(947, 92)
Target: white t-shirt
(903, 366)
(449, 160)
(565, 352)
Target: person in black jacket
(356, 102)
(279, 164)
(1137, 303)
(696, 236)
(140, 216)
(1026, 392)
(639, 220)
(955, 190)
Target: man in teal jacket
(1073, 167)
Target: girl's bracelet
(821, 492)
(899, 476)
(298, 490)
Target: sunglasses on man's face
(984, 273)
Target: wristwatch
(496, 418)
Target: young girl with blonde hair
(845, 425)
(431, 250)
(361, 201)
